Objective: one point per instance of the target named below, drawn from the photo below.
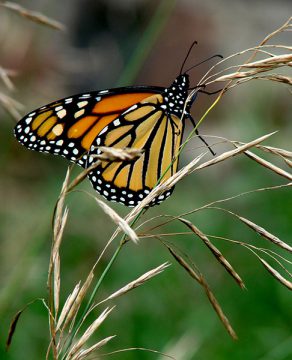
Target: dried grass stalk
(138, 282)
(67, 306)
(265, 234)
(84, 353)
(89, 332)
(273, 150)
(123, 225)
(4, 75)
(260, 230)
(201, 280)
(11, 106)
(33, 15)
(273, 61)
(115, 154)
(80, 177)
(57, 282)
(72, 312)
(216, 252)
(276, 274)
(269, 165)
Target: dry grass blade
(200, 279)
(79, 178)
(261, 231)
(231, 153)
(67, 306)
(138, 282)
(59, 221)
(257, 67)
(216, 252)
(271, 62)
(123, 225)
(265, 234)
(89, 332)
(288, 162)
(140, 349)
(33, 15)
(275, 77)
(78, 300)
(56, 260)
(11, 106)
(57, 283)
(12, 328)
(268, 165)
(276, 274)
(276, 151)
(16, 318)
(4, 74)
(114, 154)
(85, 352)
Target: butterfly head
(176, 94)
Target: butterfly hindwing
(144, 126)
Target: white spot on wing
(61, 113)
(103, 130)
(79, 113)
(81, 104)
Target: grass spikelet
(269, 165)
(115, 154)
(33, 15)
(276, 274)
(123, 225)
(11, 106)
(138, 282)
(89, 332)
(265, 234)
(216, 252)
(78, 300)
(201, 280)
(84, 353)
(67, 306)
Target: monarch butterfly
(143, 117)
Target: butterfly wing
(147, 126)
(69, 126)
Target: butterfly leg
(210, 93)
(200, 137)
(177, 131)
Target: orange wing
(69, 126)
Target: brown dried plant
(67, 321)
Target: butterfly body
(146, 118)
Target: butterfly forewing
(69, 126)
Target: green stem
(91, 299)
(147, 41)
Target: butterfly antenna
(188, 53)
(202, 62)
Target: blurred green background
(128, 42)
